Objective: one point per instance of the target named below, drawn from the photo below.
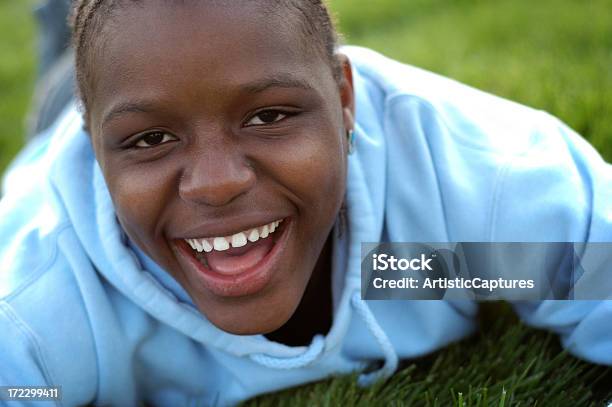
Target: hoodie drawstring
(306, 358)
(318, 344)
(391, 359)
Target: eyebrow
(286, 81)
(127, 107)
(276, 81)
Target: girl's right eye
(154, 139)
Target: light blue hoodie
(434, 161)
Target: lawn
(554, 55)
(17, 70)
(505, 364)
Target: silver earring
(350, 136)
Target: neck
(314, 313)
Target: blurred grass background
(554, 55)
(17, 71)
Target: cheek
(139, 198)
(314, 171)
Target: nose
(216, 178)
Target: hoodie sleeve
(21, 360)
(560, 190)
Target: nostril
(216, 186)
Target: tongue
(236, 261)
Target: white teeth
(194, 244)
(254, 235)
(239, 240)
(207, 246)
(220, 244)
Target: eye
(267, 117)
(154, 139)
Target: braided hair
(87, 20)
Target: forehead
(156, 45)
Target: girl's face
(211, 122)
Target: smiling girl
(228, 172)
(192, 233)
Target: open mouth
(235, 254)
(239, 264)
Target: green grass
(555, 55)
(17, 71)
(506, 364)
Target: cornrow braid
(82, 14)
(318, 21)
(87, 19)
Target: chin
(250, 328)
(250, 316)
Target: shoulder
(45, 276)
(32, 218)
(31, 225)
(47, 291)
(409, 98)
(35, 208)
(528, 175)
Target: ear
(347, 94)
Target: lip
(248, 282)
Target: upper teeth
(237, 240)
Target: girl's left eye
(154, 139)
(267, 117)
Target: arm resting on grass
(566, 190)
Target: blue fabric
(54, 33)
(56, 76)
(434, 160)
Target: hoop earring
(350, 136)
